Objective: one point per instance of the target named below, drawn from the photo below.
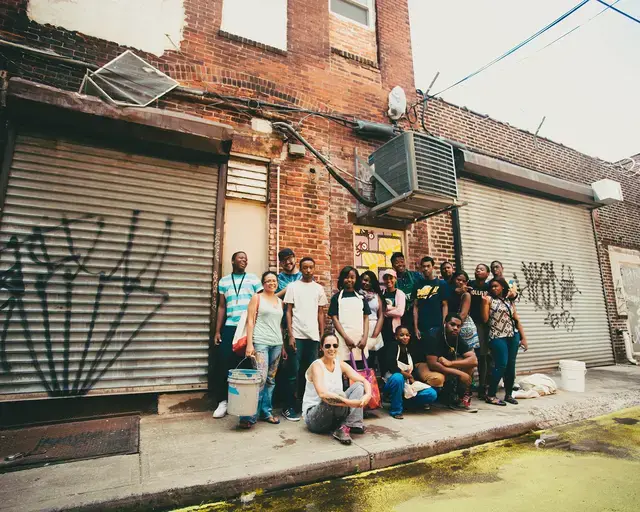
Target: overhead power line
(619, 11)
(569, 32)
(517, 47)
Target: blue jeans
(395, 387)
(267, 357)
(504, 352)
(296, 365)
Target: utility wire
(619, 11)
(517, 47)
(569, 32)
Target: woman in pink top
(396, 302)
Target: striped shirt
(238, 302)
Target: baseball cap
(389, 271)
(285, 253)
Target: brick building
(169, 192)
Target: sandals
(246, 425)
(493, 400)
(271, 419)
(397, 416)
(511, 400)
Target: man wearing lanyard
(234, 293)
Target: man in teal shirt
(406, 281)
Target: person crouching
(448, 354)
(325, 406)
(402, 388)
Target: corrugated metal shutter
(247, 179)
(116, 256)
(549, 249)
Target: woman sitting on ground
(325, 406)
(403, 389)
(504, 339)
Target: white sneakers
(221, 410)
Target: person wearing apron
(399, 381)
(349, 312)
(370, 288)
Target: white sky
(587, 84)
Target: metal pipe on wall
(277, 212)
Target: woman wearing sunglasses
(325, 406)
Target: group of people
(424, 336)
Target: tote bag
(239, 344)
(370, 376)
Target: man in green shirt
(406, 280)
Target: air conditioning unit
(415, 175)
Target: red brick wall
(353, 38)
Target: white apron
(350, 314)
(410, 390)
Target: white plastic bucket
(244, 391)
(572, 375)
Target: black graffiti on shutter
(549, 291)
(36, 250)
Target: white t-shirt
(306, 298)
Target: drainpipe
(277, 212)
(457, 238)
(628, 346)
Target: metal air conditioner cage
(415, 175)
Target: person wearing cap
(288, 274)
(396, 302)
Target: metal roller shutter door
(115, 255)
(549, 249)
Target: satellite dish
(397, 103)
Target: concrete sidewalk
(190, 458)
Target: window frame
(370, 5)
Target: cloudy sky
(587, 84)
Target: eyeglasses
(329, 345)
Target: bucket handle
(254, 362)
(560, 368)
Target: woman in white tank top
(325, 406)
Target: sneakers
(357, 430)
(221, 410)
(290, 414)
(464, 404)
(342, 434)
